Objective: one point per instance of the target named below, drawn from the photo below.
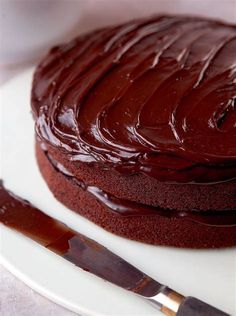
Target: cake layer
(143, 189)
(155, 229)
(153, 96)
(136, 129)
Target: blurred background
(29, 27)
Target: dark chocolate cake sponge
(145, 113)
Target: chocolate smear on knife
(22, 216)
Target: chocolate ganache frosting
(156, 96)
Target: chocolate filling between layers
(122, 207)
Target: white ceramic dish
(208, 274)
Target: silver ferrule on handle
(167, 301)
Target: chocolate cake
(136, 129)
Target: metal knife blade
(91, 256)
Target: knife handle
(191, 306)
(171, 303)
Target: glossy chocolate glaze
(122, 207)
(84, 252)
(156, 96)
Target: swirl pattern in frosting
(154, 96)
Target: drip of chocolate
(155, 96)
(122, 207)
(85, 253)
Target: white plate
(207, 274)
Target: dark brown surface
(143, 189)
(127, 208)
(154, 229)
(147, 190)
(144, 112)
(153, 96)
(87, 254)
